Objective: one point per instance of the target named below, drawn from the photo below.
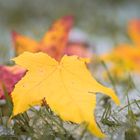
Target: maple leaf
(53, 42)
(123, 58)
(9, 76)
(126, 57)
(67, 86)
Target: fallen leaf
(67, 86)
(9, 76)
(53, 42)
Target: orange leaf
(53, 42)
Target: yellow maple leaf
(67, 86)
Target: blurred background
(102, 22)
